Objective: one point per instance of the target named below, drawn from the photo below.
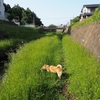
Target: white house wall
(86, 10)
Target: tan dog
(54, 69)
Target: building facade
(2, 10)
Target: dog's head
(45, 66)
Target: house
(2, 10)
(88, 10)
(60, 28)
(53, 29)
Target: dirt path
(65, 77)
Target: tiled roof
(91, 5)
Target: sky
(55, 12)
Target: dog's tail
(59, 66)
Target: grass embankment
(95, 17)
(24, 80)
(3, 22)
(83, 70)
(23, 33)
(12, 37)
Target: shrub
(76, 19)
(96, 15)
(10, 17)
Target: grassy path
(25, 81)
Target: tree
(29, 15)
(17, 12)
(52, 26)
(38, 21)
(24, 17)
(7, 8)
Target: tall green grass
(23, 33)
(96, 15)
(14, 36)
(8, 45)
(4, 44)
(24, 80)
(83, 70)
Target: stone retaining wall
(88, 36)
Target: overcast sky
(53, 11)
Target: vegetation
(5, 45)
(16, 12)
(76, 19)
(22, 33)
(93, 18)
(3, 22)
(52, 26)
(14, 36)
(11, 38)
(83, 71)
(25, 81)
(28, 81)
(96, 15)
(24, 18)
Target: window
(88, 10)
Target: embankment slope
(89, 36)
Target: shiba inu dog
(53, 69)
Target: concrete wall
(89, 37)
